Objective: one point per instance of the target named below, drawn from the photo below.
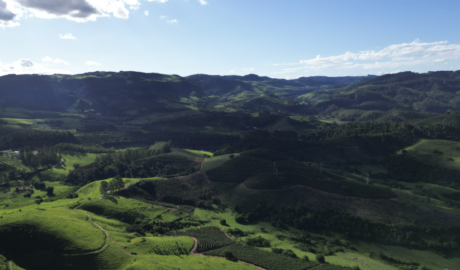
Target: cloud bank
(75, 10)
(394, 56)
(27, 66)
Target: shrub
(289, 253)
(223, 222)
(50, 190)
(320, 258)
(237, 232)
(258, 242)
(229, 256)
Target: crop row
(208, 238)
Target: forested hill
(407, 95)
(115, 93)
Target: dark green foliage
(236, 232)
(262, 258)
(398, 262)
(258, 242)
(264, 181)
(40, 186)
(238, 169)
(286, 252)
(408, 169)
(173, 191)
(229, 256)
(132, 163)
(43, 157)
(3, 263)
(223, 222)
(320, 258)
(70, 147)
(437, 240)
(50, 191)
(36, 138)
(208, 238)
(289, 253)
(260, 174)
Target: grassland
(199, 152)
(13, 161)
(214, 162)
(13, 200)
(440, 152)
(69, 162)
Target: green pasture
(13, 200)
(435, 189)
(161, 245)
(216, 161)
(14, 161)
(353, 259)
(69, 230)
(429, 259)
(192, 262)
(440, 152)
(199, 152)
(69, 161)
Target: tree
(50, 190)
(229, 256)
(320, 258)
(103, 188)
(223, 222)
(38, 200)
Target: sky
(280, 39)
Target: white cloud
(75, 10)
(5, 24)
(5, 13)
(92, 63)
(9, 14)
(203, 2)
(172, 21)
(56, 61)
(164, 17)
(146, 13)
(26, 66)
(393, 56)
(67, 36)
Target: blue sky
(282, 39)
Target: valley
(130, 170)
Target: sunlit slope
(436, 152)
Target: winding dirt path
(108, 235)
(11, 265)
